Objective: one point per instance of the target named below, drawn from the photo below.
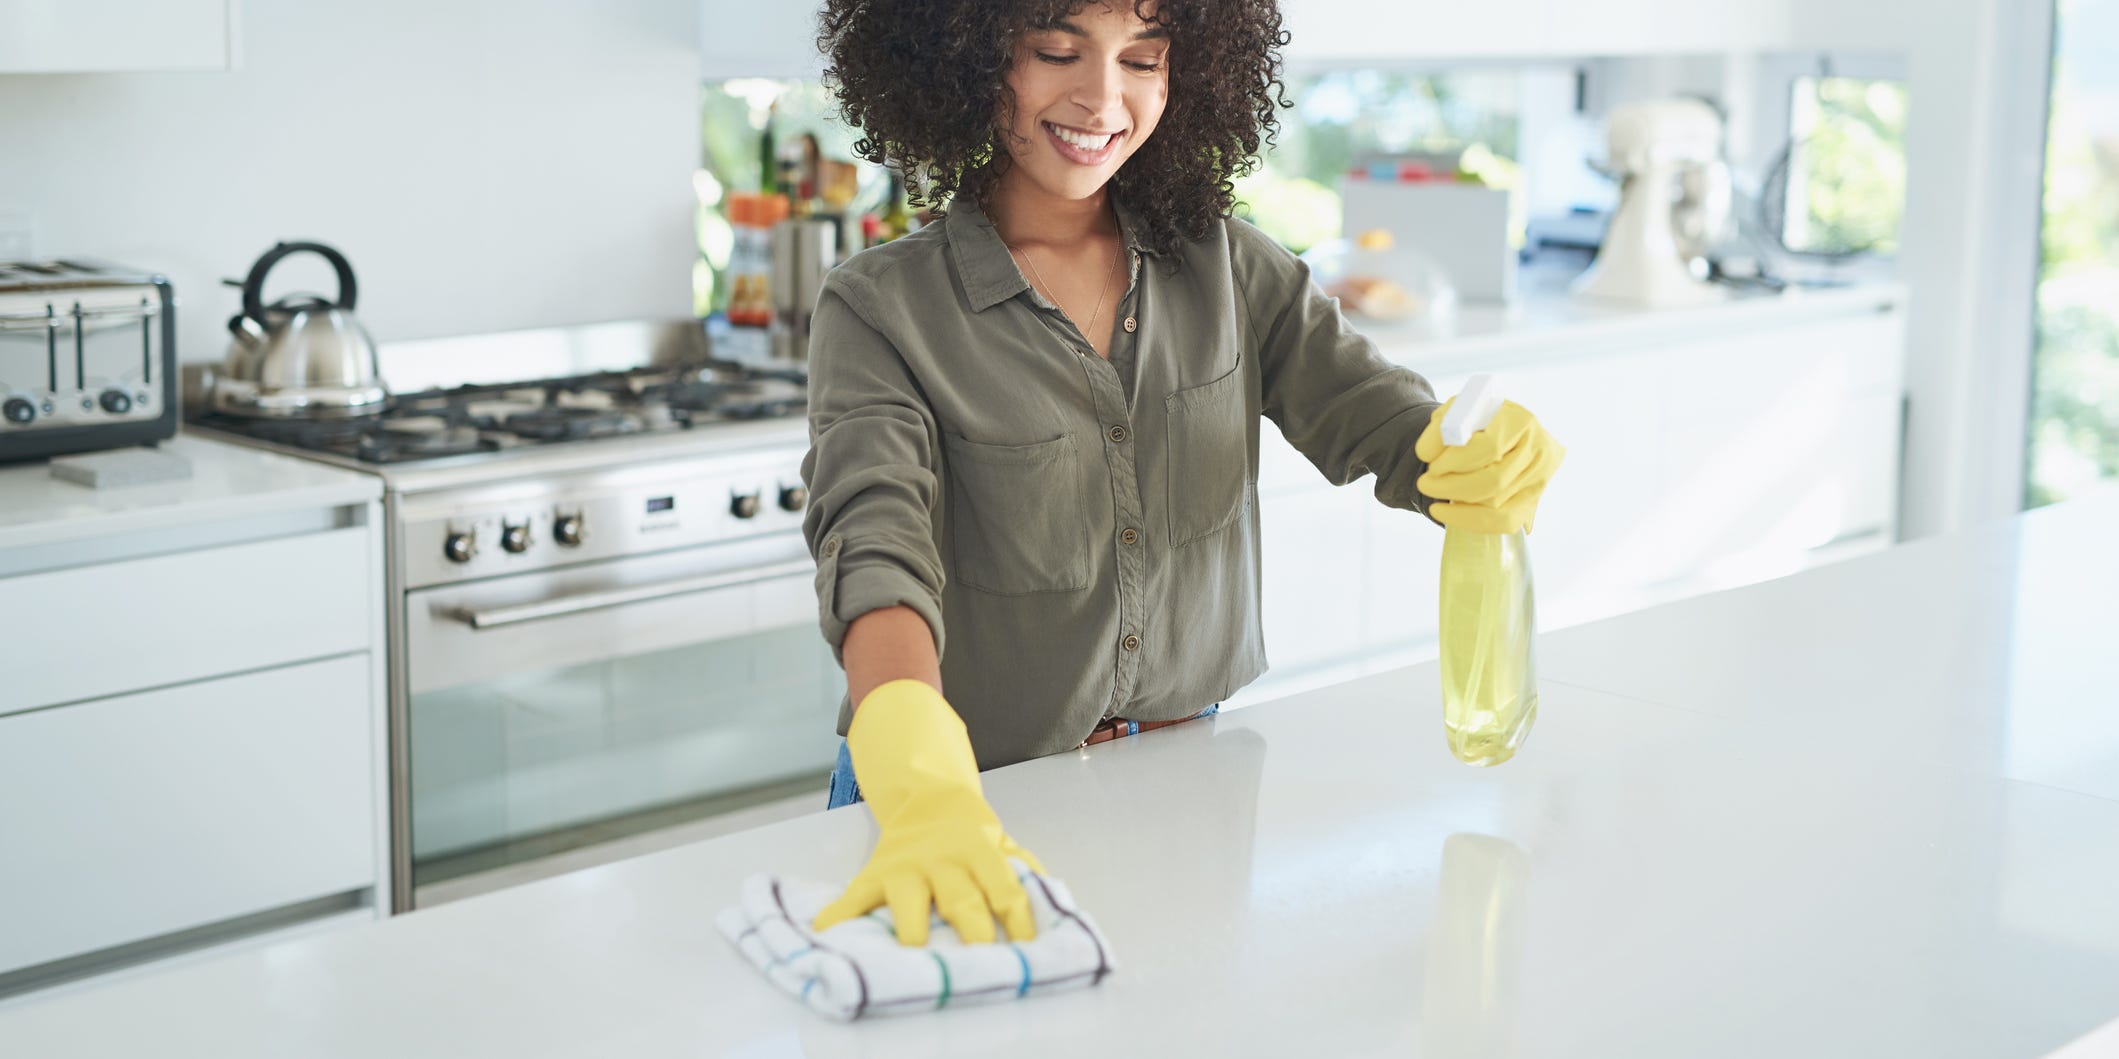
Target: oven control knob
(461, 546)
(792, 497)
(515, 538)
(744, 505)
(566, 529)
(116, 402)
(18, 410)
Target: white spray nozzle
(1473, 408)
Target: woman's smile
(1080, 147)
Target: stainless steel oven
(663, 665)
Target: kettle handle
(254, 286)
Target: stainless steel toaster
(87, 358)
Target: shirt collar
(988, 269)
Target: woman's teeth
(1085, 141)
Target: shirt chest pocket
(1209, 460)
(1017, 517)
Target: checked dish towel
(857, 969)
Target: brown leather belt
(1105, 731)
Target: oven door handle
(561, 606)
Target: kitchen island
(1867, 810)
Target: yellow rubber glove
(1491, 484)
(940, 842)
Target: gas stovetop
(469, 420)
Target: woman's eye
(1144, 66)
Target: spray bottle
(1489, 685)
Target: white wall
(485, 165)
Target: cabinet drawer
(111, 628)
(137, 816)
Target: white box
(1463, 227)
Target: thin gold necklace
(1100, 296)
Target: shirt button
(1131, 325)
(1132, 643)
(1118, 434)
(1130, 536)
(831, 547)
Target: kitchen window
(1844, 171)
(2074, 414)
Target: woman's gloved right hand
(941, 845)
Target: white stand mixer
(1653, 145)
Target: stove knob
(566, 529)
(792, 497)
(461, 546)
(116, 402)
(18, 410)
(744, 505)
(515, 538)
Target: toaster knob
(514, 538)
(744, 505)
(460, 546)
(116, 402)
(18, 410)
(566, 529)
(792, 497)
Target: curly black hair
(923, 82)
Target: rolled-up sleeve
(870, 470)
(1326, 386)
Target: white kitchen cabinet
(1777, 442)
(144, 814)
(1312, 589)
(82, 36)
(1700, 457)
(187, 616)
(192, 734)
(1352, 32)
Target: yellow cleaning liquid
(1489, 686)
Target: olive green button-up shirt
(1081, 548)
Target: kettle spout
(246, 331)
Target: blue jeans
(845, 790)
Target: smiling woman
(1068, 492)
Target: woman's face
(1088, 91)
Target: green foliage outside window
(1342, 116)
(2074, 415)
(1846, 190)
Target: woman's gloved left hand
(1491, 484)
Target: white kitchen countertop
(1990, 651)
(1547, 323)
(227, 482)
(1852, 813)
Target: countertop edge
(314, 486)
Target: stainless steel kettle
(301, 356)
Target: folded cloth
(858, 967)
